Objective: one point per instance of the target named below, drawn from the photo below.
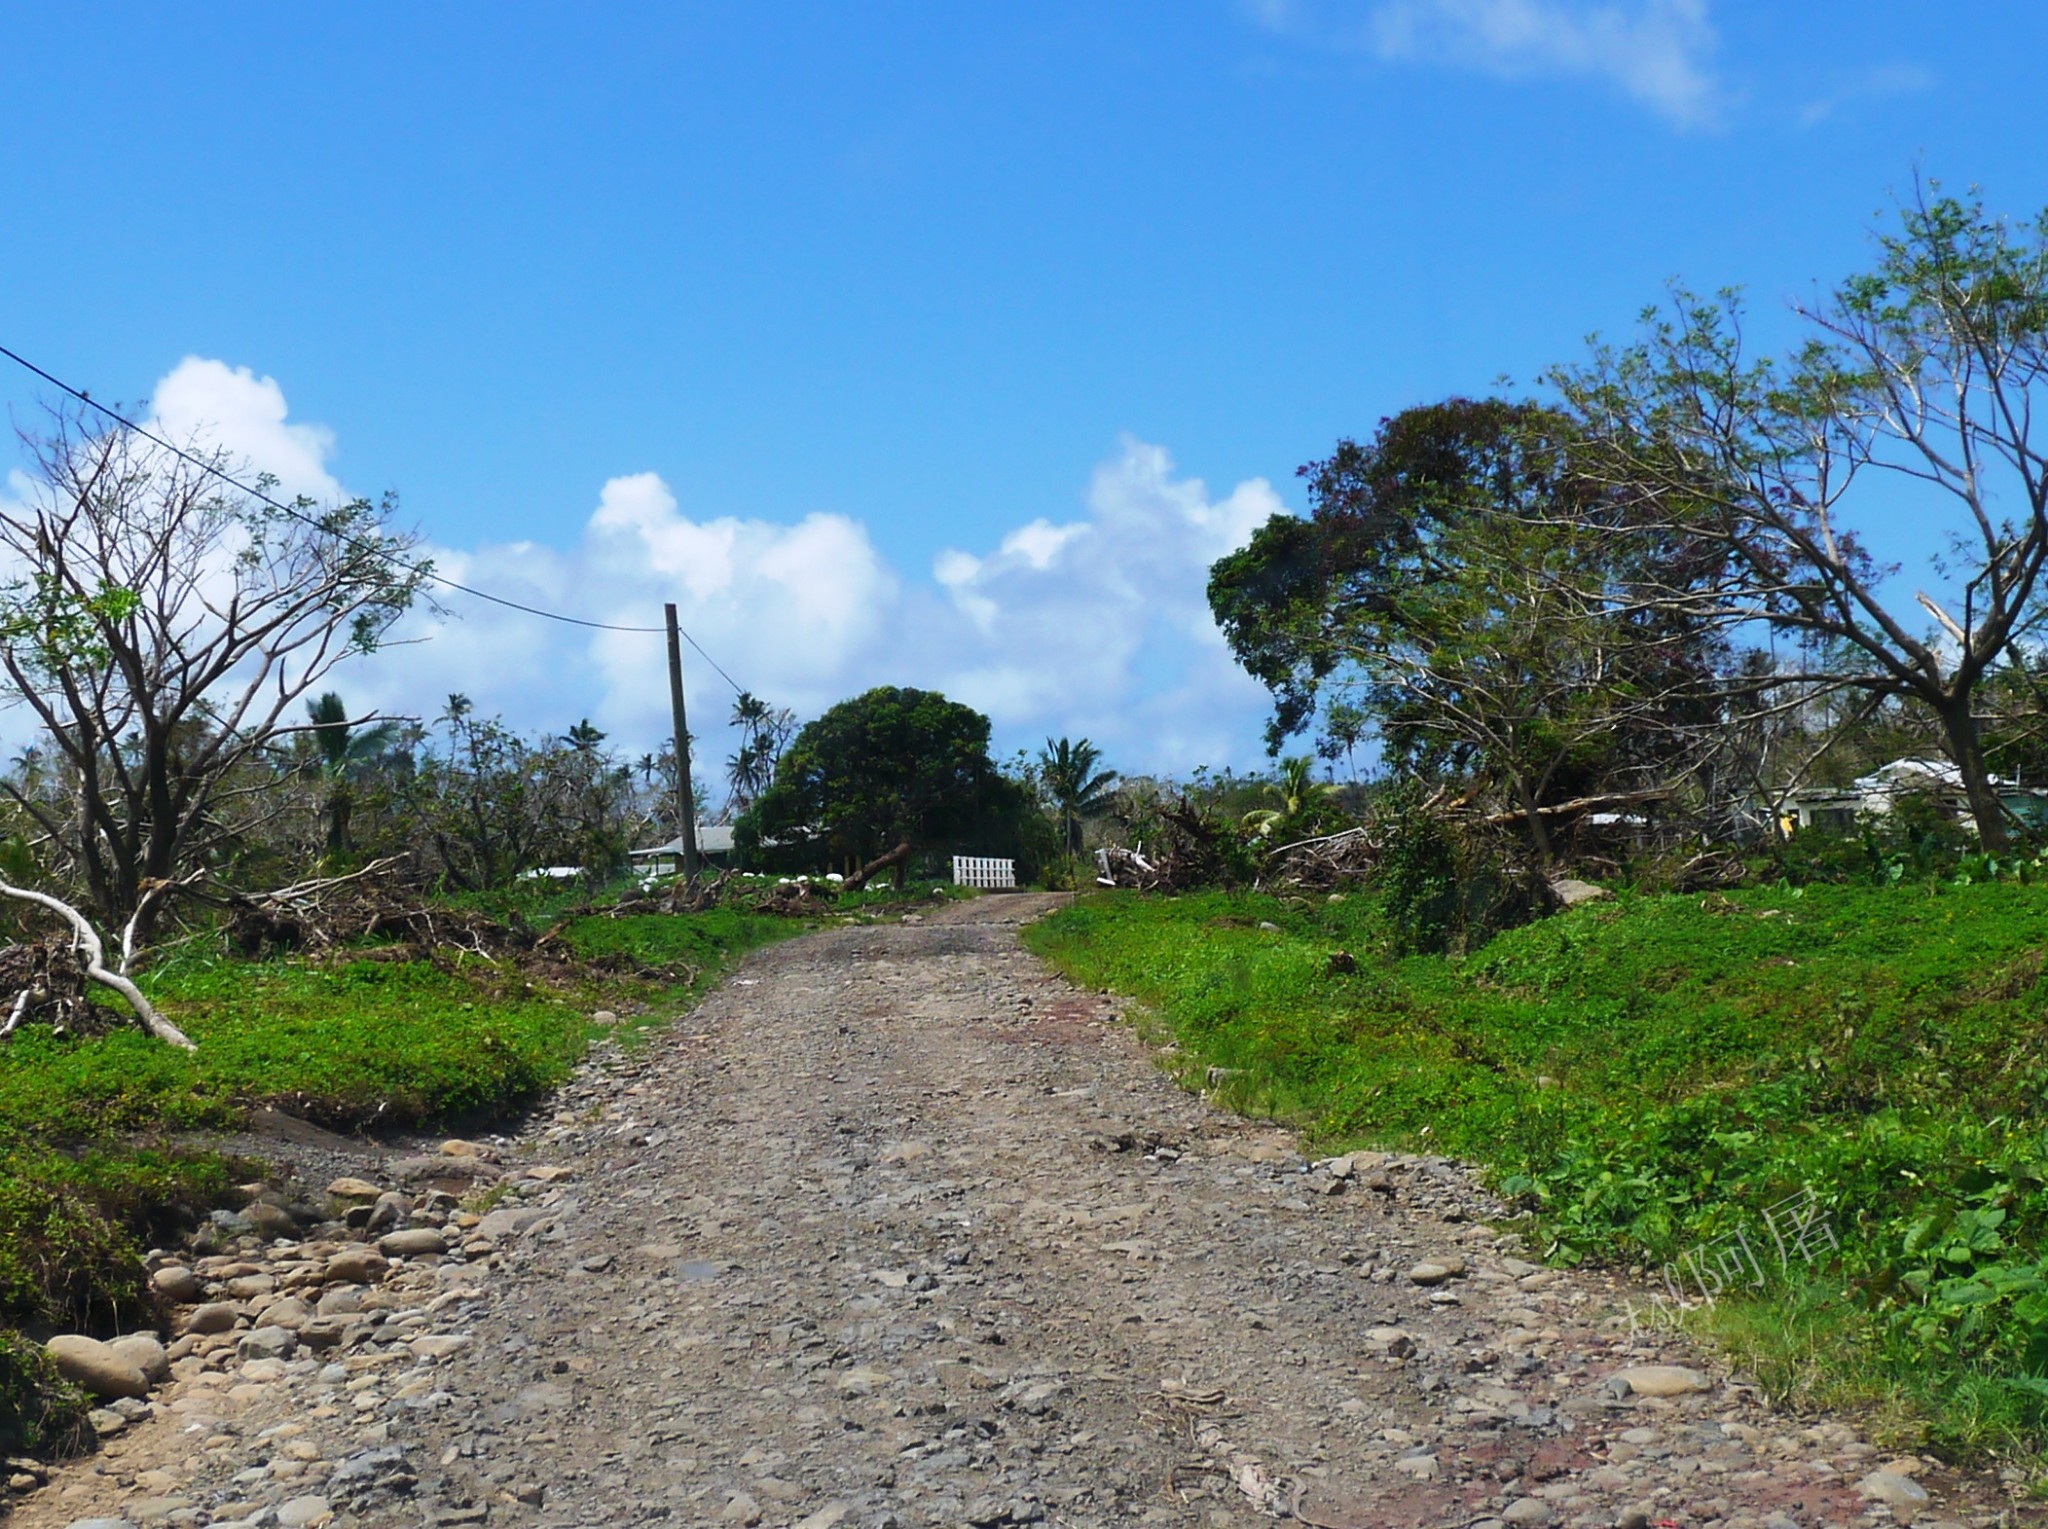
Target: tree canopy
(1927, 371)
(1461, 583)
(888, 766)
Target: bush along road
(898, 1229)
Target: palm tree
(30, 767)
(346, 755)
(1066, 771)
(746, 774)
(1303, 798)
(763, 731)
(583, 737)
(647, 766)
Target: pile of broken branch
(1193, 848)
(1327, 862)
(378, 902)
(51, 974)
(1193, 853)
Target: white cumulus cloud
(1102, 627)
(1091, 619)
(232, 407)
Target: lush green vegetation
(891, 766)
(1653, 1076)
(87, 1174)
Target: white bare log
(1321, 839)
(87, 938)
(155, 893)
(303, 890)
(21, 1003)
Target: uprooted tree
(161, 624)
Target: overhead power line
(422, 570)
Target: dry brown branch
(340, 911)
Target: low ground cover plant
(1834, 1088)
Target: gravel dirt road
(898, 1229)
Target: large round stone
(214, 1317)
(356, 1266)
(413, 1242)
(95, 1368)
(179, 1284)
(146, 1352)
(1664, 1380)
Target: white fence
(977, 871)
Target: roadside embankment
(1820, 1109)
(113, 1143)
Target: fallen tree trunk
(86, 941)
(1613, 801)
(900, 855)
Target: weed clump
(40, 1413)
(1447, 886)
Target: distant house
(714, 844)
(552, 873)
(1875, 794)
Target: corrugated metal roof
(712, 839)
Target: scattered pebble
(897, 1230)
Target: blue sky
(906, 343)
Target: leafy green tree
(1921, 377)
(484, 804)
(347, 752)
(475, 802)
(1078, 791)
(1462, 584)
(882, 768)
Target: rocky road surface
(898, 1229)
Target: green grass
(86, 1177)
(1650, 1075)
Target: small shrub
(1449, 887)
(40, 1414)
(1418, 876)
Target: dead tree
(170, 624)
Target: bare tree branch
(88, 939)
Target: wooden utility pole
(686, 799)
